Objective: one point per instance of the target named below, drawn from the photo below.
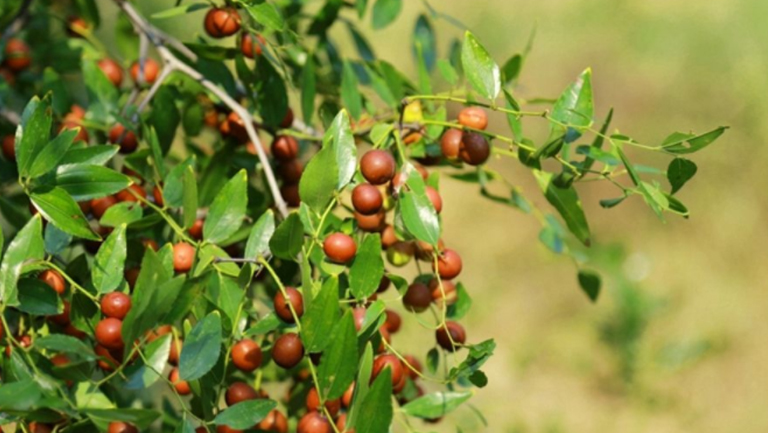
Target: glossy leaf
(190, 197)
(266, 14)
(51, 154)
(424, 36)
(367, 269)
(481, 71)
(91, 155)
(173, 186)
(121, 213)
(385, 12)
(679, 172)
(86, 182)
(321, 316)
(575, 107)
(417, 211)
(55, 239)
(261, 232)
(61, 210)
(201, 348)
(38, 298)
(308, 90)
(568, 205)
(375, 410)
(144, 374)
(339, 137)
(228, 210)
(33, 133)
(680, 143)
(26, 246)
(318, 182)
(245, 414)
(435, 405)
(107, 270)
(590, 283)
(338, 365)
(350, 95)
(288, 238)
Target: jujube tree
(190, 222)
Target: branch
(172, 63)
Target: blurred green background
(676, 342)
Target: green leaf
(597, 143)
(51, 154)
(653, 196)
(385, 12)
(227, 212)
(38, 298)
(33, 133)
(246, 414)
(589, 282)
(367, 269)
(86, 182)
(567, 203)
(65, 344)
(107, 270)
(141, 418)
(339, 137)
(574, 107)
(173, 185)
(463, 303)
(511, 69)
(179, 10)
(481, 71)
(321, 316)
(144, 374)
(165, 119)
(265, 325)
(308, 90)
(416, 209)
(22, 396)
(424, 37)
(261, 232)
(435, 405)
(271, 95)
(288, 239)
(266, 14)
(121, 213)
(26, 246)
(190, 197)
(515, 123)
(151, 135)
(612, 202)
(201, 348)
(61, 210)
(91, 155)
(375, 410)
(448, 72)
(350, 95)
(679, 172)
(338, 365)
(478, 355)
(102, 94)
(226, 295)
(680, 143)
(55, 240)
(318, 181)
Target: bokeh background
(677, 340)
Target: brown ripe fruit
(434, 197)
(358, 314)
(475, 149)
(130, 194)
(448, 287)
(457, 334)
(124, 137)
(250, 45)
(413, 367)
(378, 166)
(9, 147)
(131, 276)
(183, 257)
(36, 427)
(175, 352)
(182, 386)
(372, 223)
(388, 361)
(413, 137)
(73, 120)
(473, 117)
(274, 422)
(384, 284)
(222, 22)
(100, 205)
(285, 148)
(76, 26)
(116, 305)
(313, 403)
(417, 298)
(17, 55)
(226, 429)
(54, 279)
(314, 422)
(340, 248)
(288, 350)
(239, 392)
(367, 199)
(151, 71)
(291, 171)
(236, 127)
(107, 362)
(196, 231)
(388, 236)
(157, 194)
(61, 319)
(393, 321)
(246, 355)
(287, 121)
(108, 333)
(121, 427)
(112, 70)
(291, 194)
(450, 143)
(448, 264)
(282, 308)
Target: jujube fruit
(413, 367)
(291, 171)
(448, 264)
(61, 319)
(388, 236)
(378, 166)
(239, 392)
(9, 147)
(123, 137)
(290, 193)
(251, 47)
(475, 149)
(371, 223)
(387, 361)
(106, 362)
(367, 199)
(151, 71)
(450, 143)
(457, 334)
(121, 427)
(112, 70)
(448, 288)
(275, 422)
(183, 257)
(76, 26)
(288, 350)
(108, 333)
(196, 231)
(434, 197)
(227, 429)
(100, 205)
(285, 148)
(54, 279)
(314, 422)
(246, 355)
(131, 194)
(157, 194)
(313, 403)
(222, 22)
(36, 427)
(175, 352)
(182, 386)
(340, 248)
(282, 308)
(17, 55)
(393, 321)
(116, 305)
(473, 117)
(417, 298)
